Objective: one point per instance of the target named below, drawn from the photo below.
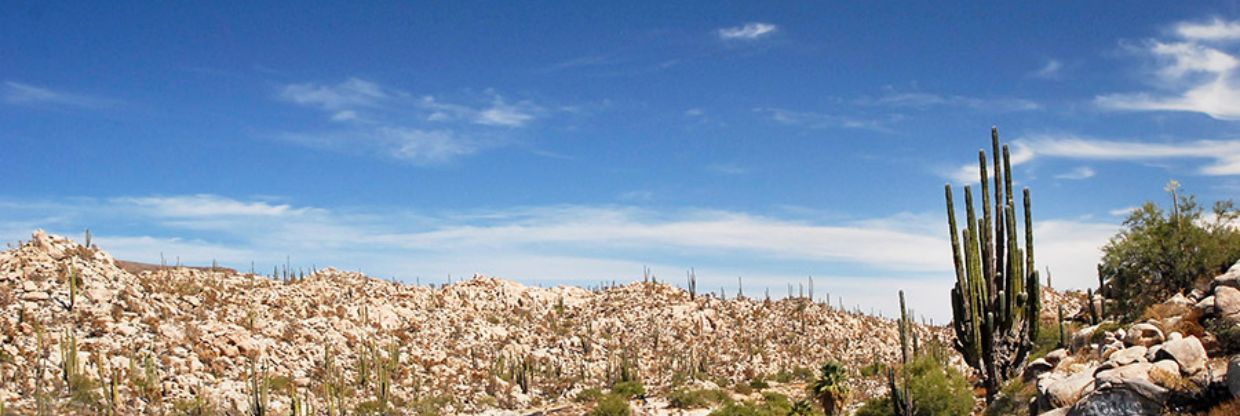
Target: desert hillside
(195, 338)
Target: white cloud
(205, 205)
(749, 31)
(922, 100)
(1122, 212)
(1081, 172)
(824, 121)
(423, 130)
(1071, 249)
(1199, 71)
(351, 93)
(17, 93)
(504, 114)
(1051, 70)
(1018, 154)
(1214, 30)
(1222, 157)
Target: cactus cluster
(901, 400)
(995, 302)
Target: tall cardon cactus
(995, 303)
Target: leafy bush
(878, 406)
(612, 405)
(628, 389)
(1013, 399)
(936, 389)
(1048, 339)
(1158, 254)
(589, 395)
(1227, 332)
(759, 383)
(696, 399)
(772, 404)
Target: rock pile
(1148, 367)
(80, 333)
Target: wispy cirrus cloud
(17, 93)
(1221, 157)
(748, 31)
(420, 129)
(1052, 69)
(815, 120)
(1078, 173)
(1196, 72)
(925, 100)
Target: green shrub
(589, 395)
(696, 399)
(612, 405)
(1159, 254)
(874, 369)
(803, 374)
(772, 404)
(878, 406)
(1048, 339)
(759, 384)
(742, 389)
(1227, 332)
(936, 389)
(1013, 399)
(628, 389)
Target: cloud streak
(1199, 67)
(422, 130)
(1221, 157)
(748, 31)
(16, 93)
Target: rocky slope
(1168, 362)
(180, 338)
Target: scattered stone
(1145, 335)
(1227, 301)
(1129, 355)
(1179, 299)
(1056, 390)
(37, 296)
(1230, 279)
(1037, 367)
(1187, 352)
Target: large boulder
(1127, 356)
(1230, 278)
(1120, 400)
(1056, 390)
(1227, 301)
(1187, 352)
(1145, 335)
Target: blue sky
(574, 142)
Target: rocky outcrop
(1138, 370)
(198, 333)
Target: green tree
(1158, 254)
(831, 388)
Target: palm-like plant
(831, 389)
